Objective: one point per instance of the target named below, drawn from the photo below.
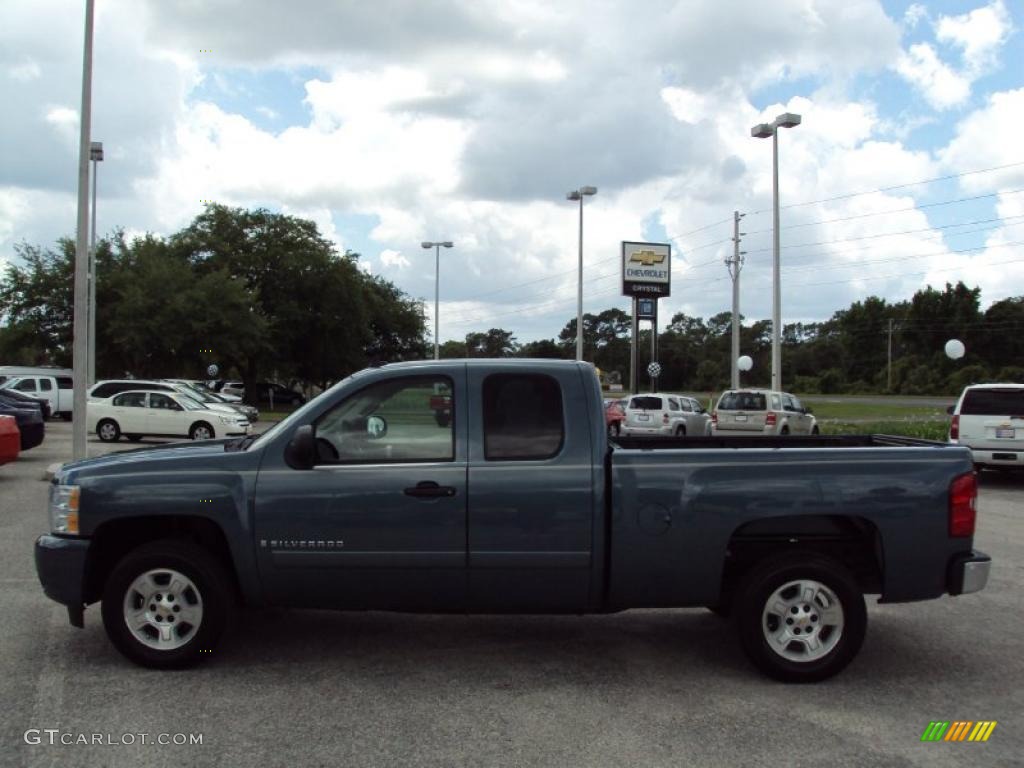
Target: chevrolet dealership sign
(646, 269)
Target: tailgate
(745, 420)
(992, 432)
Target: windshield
(189, 404)
(295, 416)
(189, 391)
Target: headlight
(64, 508)
(226, 419)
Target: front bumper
(968, 573)
(61, 565)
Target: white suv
(761, 412)
(989, 419)
(664, 414)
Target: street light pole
(763, 131)
(96, 155)
(437, 289)
(579, 194)
(80, 326)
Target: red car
(614, 415)
(10, 439)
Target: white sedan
(136, 413)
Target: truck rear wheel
(167, 604)
(800, 617)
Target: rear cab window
(523, 417)
(1008, 401)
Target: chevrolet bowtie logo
(647, 258)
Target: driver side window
(399, 420)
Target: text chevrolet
(515, 502)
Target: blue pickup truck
(490, 486)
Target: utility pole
(888, 378)
(734, 266)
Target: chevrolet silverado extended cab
(515, 502)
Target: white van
(54, 385)
(989, 419)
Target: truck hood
(169, 456)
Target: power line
(895, 210)
(894, 186)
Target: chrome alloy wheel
(802, 620)
(108, 431)
(201, 432)
(163, 609)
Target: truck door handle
(428, 489)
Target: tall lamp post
(80, 323)
(96, 155)
(437, 292)
(579, 194)
(763, 131)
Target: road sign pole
(634, 374)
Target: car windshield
(742, 401)
(189, 404)
(195, 394)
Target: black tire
(815, 430)
(134, 438)
(614, 429)
(65, 415)
(680, 431)
(212, 583)
(784, 431)
(772, 574)
(722, 610)
(194, 429)
(112, 436)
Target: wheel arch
(112, 540)
(851, 540)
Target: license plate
(740, 418)
(1005, 432)
(643, 417)
(1004, 456)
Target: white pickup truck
(55, 387)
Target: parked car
(518, 505)
(104, 389)
(139, 413)
(57, 390)
(215, 401)
(989, 419)
(30, 423)
(206, 388)
(761, 412)
(268, 393)
(614, 415)
(665, 414)
(21, 400)
(10, 439)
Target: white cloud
(980, 34)
(391, 258)
(25, 72)
(940, 84)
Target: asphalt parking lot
(642, 688)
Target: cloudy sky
(397, 121)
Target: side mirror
(376, 427)
(300, 453)
(950, 409)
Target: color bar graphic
(958, 730)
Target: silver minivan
(989, 419)
(664, 414)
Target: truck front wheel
(167, 604)
(801, 617)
